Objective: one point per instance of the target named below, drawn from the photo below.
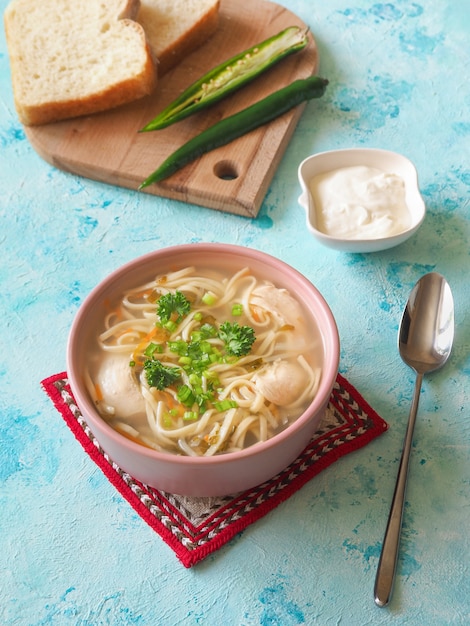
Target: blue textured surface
(71, 550)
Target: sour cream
(360, 203)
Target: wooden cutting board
(234, 178)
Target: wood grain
(234, 178)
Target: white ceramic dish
(390, 162)
(226, 473)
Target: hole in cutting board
(226, 170)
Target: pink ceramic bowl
(226, 473)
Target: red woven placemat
(196, 527)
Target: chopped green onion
(179, 347)
(150, 349)
(225, 405)
(205, 347)
(211, 375)
(185, 395)
(194, 379)
(237, 309)
(209, 298)
(185, 360)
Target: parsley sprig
(173, 307)
(238, 339)
(160, 376)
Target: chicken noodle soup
(198, 363)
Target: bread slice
(76, 57)
(174, 28)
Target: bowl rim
(357, 242)
(85, 405)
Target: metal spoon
(425, 342)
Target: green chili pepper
(231, 75)
(239, 124)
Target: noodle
(234, 401)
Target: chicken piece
(278, 302)
(118, 386)
(281, 382)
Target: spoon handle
(389, 556)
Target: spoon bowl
(425, 343)
(427, 327)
